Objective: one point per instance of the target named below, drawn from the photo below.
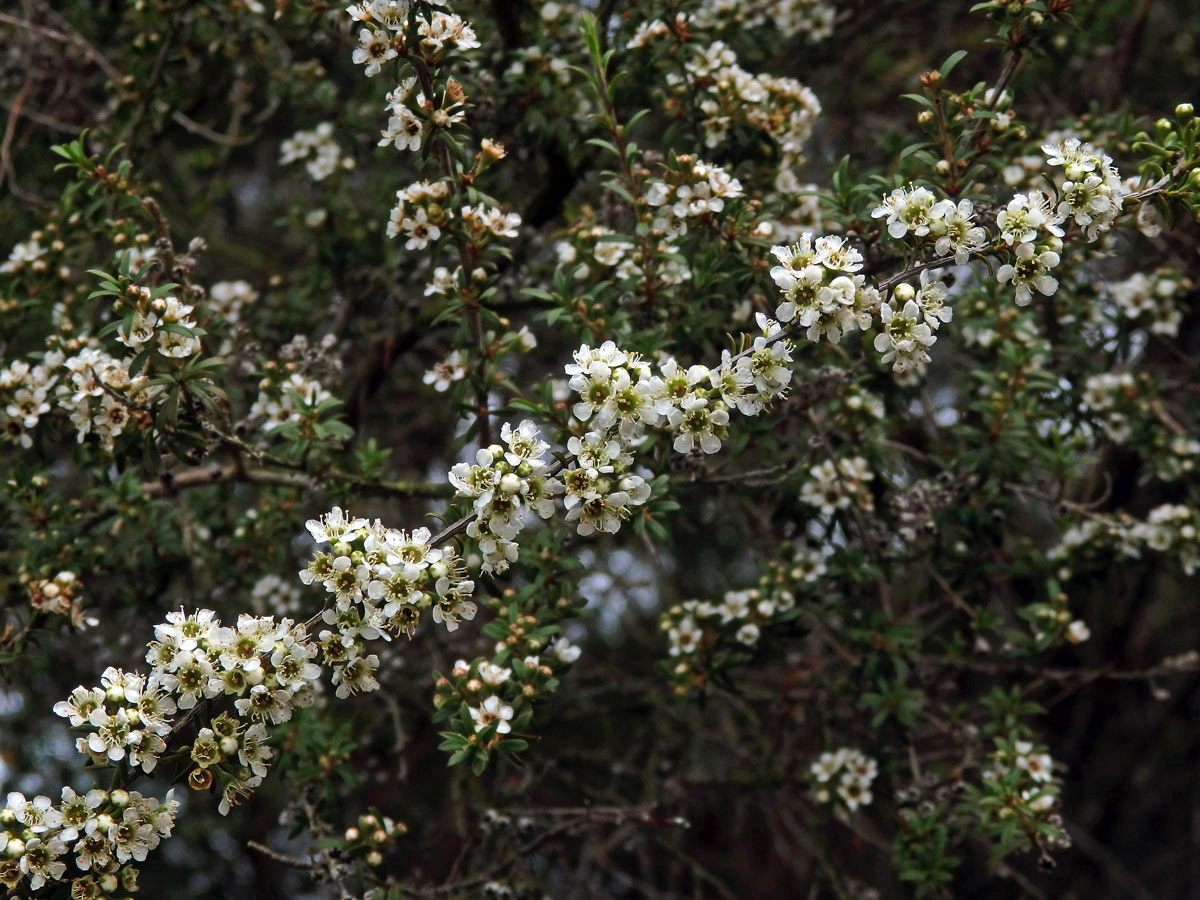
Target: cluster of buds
(486, 700)
(59, 596)
(371, 835)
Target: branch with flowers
(919, 365)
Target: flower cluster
(420, 213)
(618, 252)
(836, 485)
(486, 699)
(60, 595)
(907, 332)
(227, 298)
(105, 830)
(1023, 772)
(1151, 299)
(599, 487)
(438, 33)
(290, 399)
(619, 391)
(1177, 456)
(852, 771)
(271, 594)
(93, 388)
(1031, 226)
(949, 226)
(25, 255)
(821, 292)
(730, 97)
(1169, 528)
(25, 397)
(319, 149)
(161, 324)
(1113, 398)
(502, 483)
(701, 633)
(1091, 190)
(693, 190)
(382, 580)
(812, 20)
(266, 667)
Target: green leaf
(954, 59)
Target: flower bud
(905, 292)
(1184, 109)
(351, 834)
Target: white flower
(373, 50)
(1030, 269)
(492, 711)
(1039, 765)
(905, 338)
(906, 210)
(445, 373)
(565, 651)
(748, 634)
(335, 526)
(492, 674)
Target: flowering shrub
(769, 478)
